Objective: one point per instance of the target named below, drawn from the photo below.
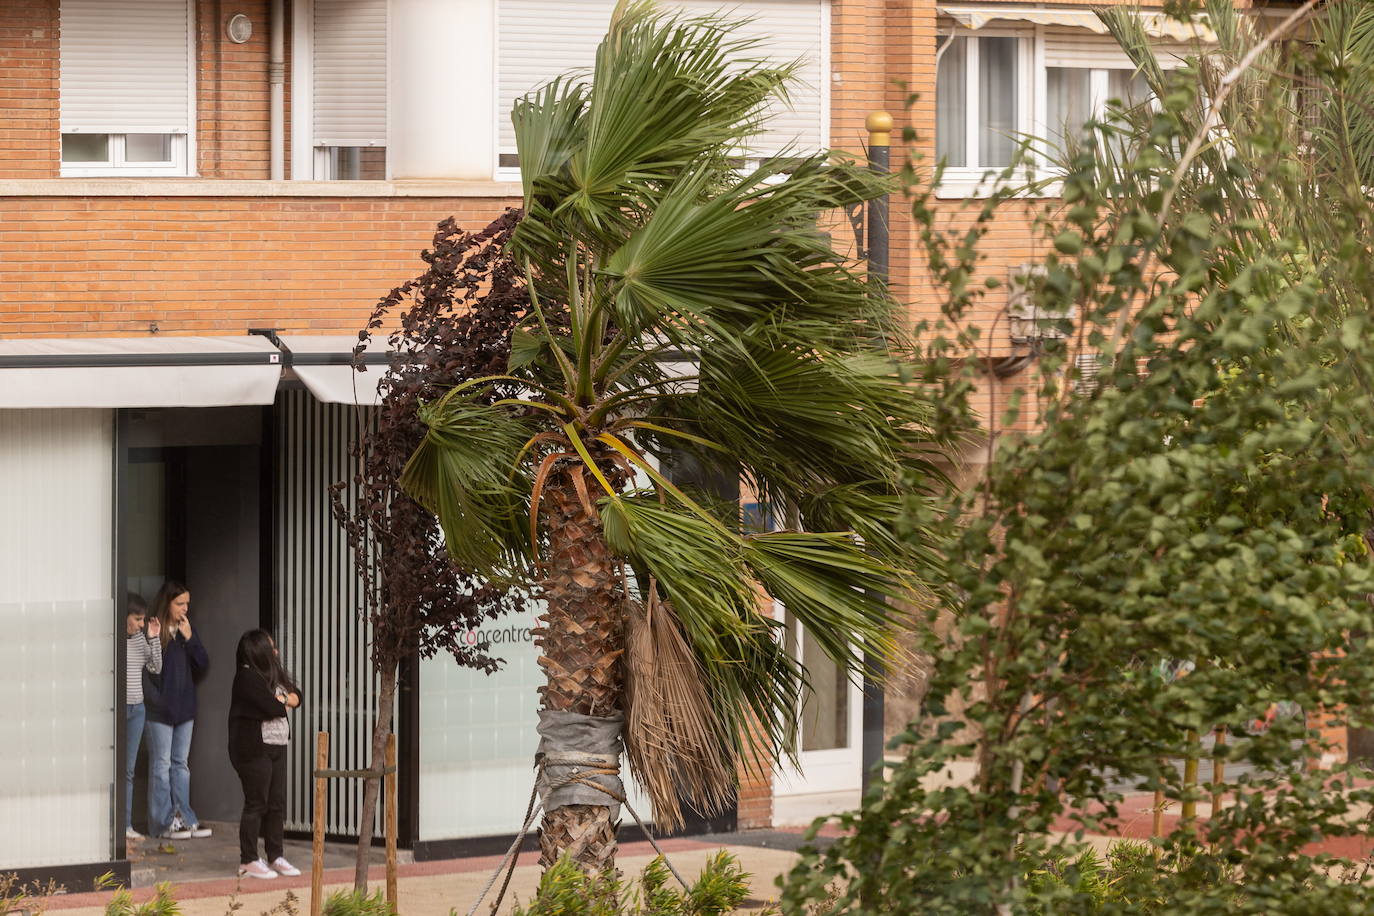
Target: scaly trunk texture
(372, 787)
(581, 640)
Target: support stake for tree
(391, 831)
(317, 850)
(1218, 769)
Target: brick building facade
(292, 181)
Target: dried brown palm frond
(671, 736)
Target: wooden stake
(1218, 769)
(1189, 811)
(317, 850)
(391, 805)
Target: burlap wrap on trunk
(570, 734)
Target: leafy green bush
(565, 890)
(1201, 505)
(354, 903)
(162, 904)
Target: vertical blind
(350, 72)
(541, 39)
(125, 66)
(57, 660)
(319, 600)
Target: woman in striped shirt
(144, 651)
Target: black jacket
(251, 704)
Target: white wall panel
(541, 39)
(57, 659)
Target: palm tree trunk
(372, 787)
(582, 639)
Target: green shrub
(355, 903)
(565, 890)
(162, 904)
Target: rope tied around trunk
(582, 769)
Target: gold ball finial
(879, 124)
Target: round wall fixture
(239, 28)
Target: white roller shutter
(540, 39)
(126, 66)
(1080, 48)
(350, 72)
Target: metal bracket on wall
(858, 218)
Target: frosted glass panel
(477, 738)
(57, 611)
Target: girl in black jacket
(258, 732)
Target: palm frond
(469, 472)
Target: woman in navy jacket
(258, 734)
(171, 701)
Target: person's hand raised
(154, 628)
(184, 627)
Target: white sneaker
(257, 869)
(199, 832)
(176, 830)
(284, 867)
(132, 834)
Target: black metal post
(879, 125)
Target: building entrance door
(190, 510)
(829, 775)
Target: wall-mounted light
(239, 28)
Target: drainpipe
(276, 80)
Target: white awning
(138, 372)
(1157, 24)
(324, 364)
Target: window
(980, 109)
(1076, 95)
(995, 88)
(126, 91)
(344, 110)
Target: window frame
(310, 161)
(184, 163)
(965, 179)
(1033, 96)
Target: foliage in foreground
(355, 903)
(1183, 546)
(566, 890)
(122, 903)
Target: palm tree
(681, 302)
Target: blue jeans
(134, 716)
(169, 778)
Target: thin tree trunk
(581, 638)
(372, 786)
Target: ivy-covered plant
(1199, 507)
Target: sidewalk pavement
(435, 888)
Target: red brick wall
(105, 266)
(232, 92)
(29, 137)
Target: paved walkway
(426, 888)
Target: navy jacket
(171, 696)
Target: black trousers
(263, 776)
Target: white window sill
(209, 187)
(958, 184)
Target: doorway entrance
(190, 509)
(830, 754)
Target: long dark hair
(162, 606)
(257, 652)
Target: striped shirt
(143, 651)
